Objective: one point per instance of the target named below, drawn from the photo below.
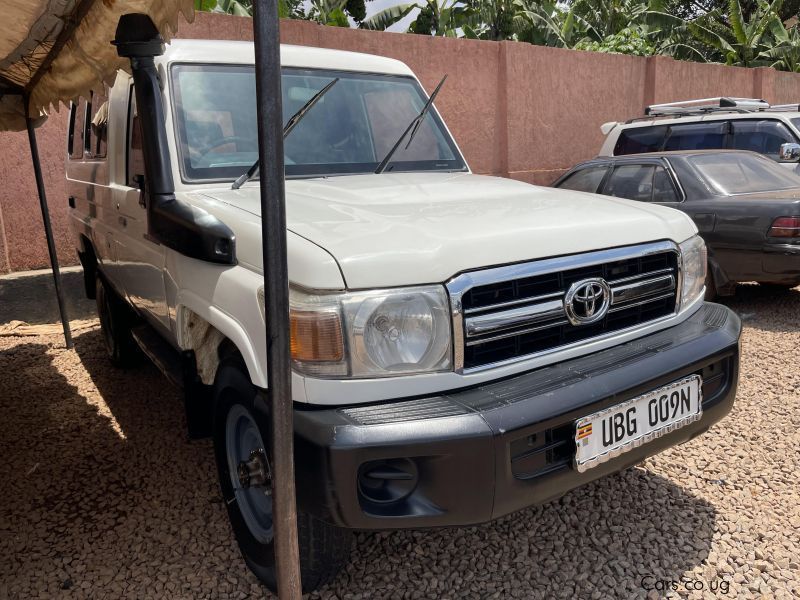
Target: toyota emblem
(587, 301)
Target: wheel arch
(213, 335)
(723, 285)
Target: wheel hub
(254, 472)
(249, 472)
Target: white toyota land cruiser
(463, 346)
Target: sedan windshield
(743, 173)
(349, 130)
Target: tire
(324, 549)
(116, 319)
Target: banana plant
(326, 12)
(549, 24)
(382, 20)
(734, 40)
(240, 8)
(489, 19)
(329, 12)
(440, 18)
(785, 54)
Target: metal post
(48, 230)
(276, 293)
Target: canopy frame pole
(266, 30)
(48, 229)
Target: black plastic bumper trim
(462, 443)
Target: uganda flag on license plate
(584, 431)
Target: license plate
(606, 434)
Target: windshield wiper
(287, 129)
(413, 127)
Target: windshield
(348, 131)
(743, 173)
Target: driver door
(141, 260)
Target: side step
(160, 353)
(180, 368)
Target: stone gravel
(103, 496)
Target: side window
(77, 129)
(135, 156)
(764, 136)
(697, 136)
(663, 188)
(640, 139)
(98, 124)
(585, 180)
(634, 182)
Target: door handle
(123, 221)
(71, 201)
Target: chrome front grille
(517, 311)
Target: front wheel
(245, 479)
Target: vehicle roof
(218, 51)
(645, 121)
(669, 153)
(602, 159)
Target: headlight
(693, 269)
(377, 333)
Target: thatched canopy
(54, 51)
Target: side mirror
(789, 153)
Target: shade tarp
(57, 50)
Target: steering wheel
(228, 139)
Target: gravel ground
(105, 497)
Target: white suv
(463, 346)
(710, 124)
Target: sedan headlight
(694, 262)
(377, 333)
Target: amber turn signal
(316, 336)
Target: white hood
(416, 228)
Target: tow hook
(255, 472)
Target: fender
(228, 326)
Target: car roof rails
(785, 108)
(706, 105)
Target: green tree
(327, 12)
(690, 9)
(630, 40)
(622, 26)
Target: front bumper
(478, 454)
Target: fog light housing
(387, 481)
